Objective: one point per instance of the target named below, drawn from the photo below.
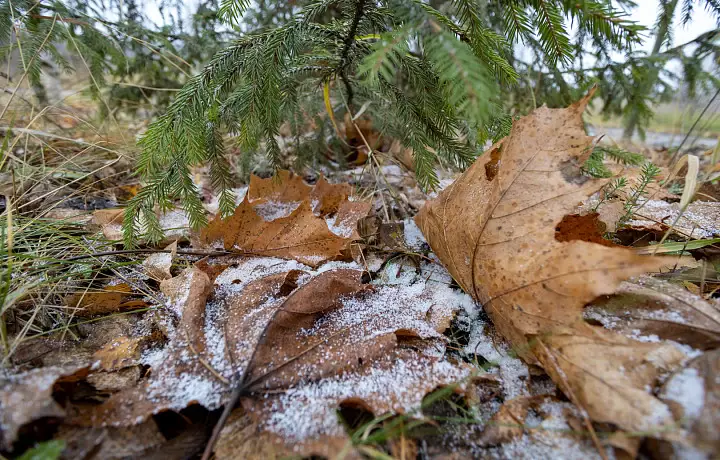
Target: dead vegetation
(519, 315)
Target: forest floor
(516, 312)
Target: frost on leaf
(284, 217)
(306, 341)
(495, 229)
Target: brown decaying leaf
(27, 397)
(157, 266)
(302, 421)
(693, 394)
(284, 217)
(648, 307)
(110, 442)
(280, 360)
(111, 299)
(118, 353)
(495, 231)
(332, 332)
(507, 423)
(179, 364)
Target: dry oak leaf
(158, 265)
(655, 309)
(113, 298)
(302, 420)
(494, 229)
(118, 353)
(27, 397)
(276, 219)
(693, 394)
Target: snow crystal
(411, 306)
(309, 410)
(154, 357)
(686, 388)
(251, 269)
(181, 390)
(339, 228)
(513, 372)
(271, 210)
(413, 236)
(700, 219)
(214, 205)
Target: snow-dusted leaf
(693, 394)
(651, 310)
(157, 266)
(27, 397)
(277, 219)
(303, 419)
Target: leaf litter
(289, 319)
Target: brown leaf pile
(309, 341)
(497, 231)
(284, 217)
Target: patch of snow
(339, 228)
(413, 236)
(700, 219)
(175, 223)
(413, 306)
(214, 205)
(254, 268)
(337, 265)
(154, 357)
(309, 410)
(215, 339)
(272, 210)
(513, 371)
(181, 390)
(686, 388)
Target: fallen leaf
(110, 442)
(27, 397)
(109, 221)
(494, 229)
(649, 309)
(699, 220)
(174, 223)
(113, 298)
(302, 420)
(284, 187)
(326, 197)
(157, 266)
(115, 380)
(118, 353)
(693, 394)
(288, 327)
(507, 423)
(276, 218)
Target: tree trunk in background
(647, 85)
